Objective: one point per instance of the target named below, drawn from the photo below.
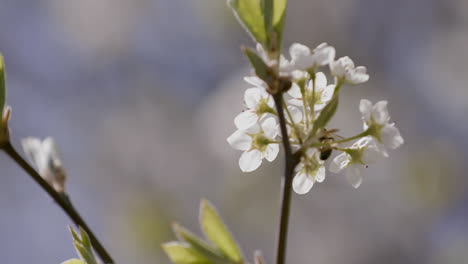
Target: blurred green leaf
(86, 255)
(215, 230)
(73, 261)
(250, 15)
(326, 114)
(199, 245)
(2, 85)
(85, 239)
(279, 14)
(182, 253)
(261, 69)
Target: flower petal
(320, 81)
(302, 183)
(357, 76)
(354, 174)
(295, 91)
(296, 114)
(380, 113)
(250, 160)
(246, 119)
(365, 107)
(252, 96)
(327, 93)
(391, 137)
(239, 140)
(270, 127)
(320, 174)
(339, 163)
(324, 54)
(271, 152)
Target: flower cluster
(309, 103)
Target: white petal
(391, 136)
(239, 140)
(354, 174)
(327, 93)
(298, 50)
(296, 114)
(270, 127)
(295, 102)
(302, 183)
(339, 163)
(271, 152)
(357, 76)
(255, 81)
(320, 81)
(252, 96)
(246, 119)
(365, 107)
(320, 174)
(324, 54)
(250, 160)
(371, 154)
(380, 113)
(295, 91)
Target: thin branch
(291, 161)
(61, 199)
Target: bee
(327, 139)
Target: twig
(61, 199)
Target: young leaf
(217, 232)
(181, 253)
(2, 85)
(85, 239)
(73, 261)
(326, 114)
(250, 15)
(261, 69)
(279, 14)
(86, 255)
(199, 245)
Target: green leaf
(250, 16)
(85, 239)
(215, 230)
(326, 114)
(182, 253)
(261, 69)
(86, 255)
(2, 85)
(199, 245)
(279, 14)
(75, 236)
(73, 261)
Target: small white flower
(376, 120)
(44, 155)
(302, 58)
(257, 142)
(258, 102)
(310, 170)
(363, 152)
(323, 93)
(344, 69)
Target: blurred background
(141, 95)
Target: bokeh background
(140, 96)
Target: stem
(363, 134)
(291, 162)
(293, 125)
(61, 199)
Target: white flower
(323, 93)
(355, 159)
(344, 69)
(302, 58)
(310, 170)
(376, 121)
(257, 142)
(44, 155)
(258, 102)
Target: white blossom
(309, 171)
(323, 93)
(257, 142)
(302, 58)
(377, 121)
(44, 155)
(363, 152)
(258, 102)
(344, 69)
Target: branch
(61, 199)
(291, 159)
